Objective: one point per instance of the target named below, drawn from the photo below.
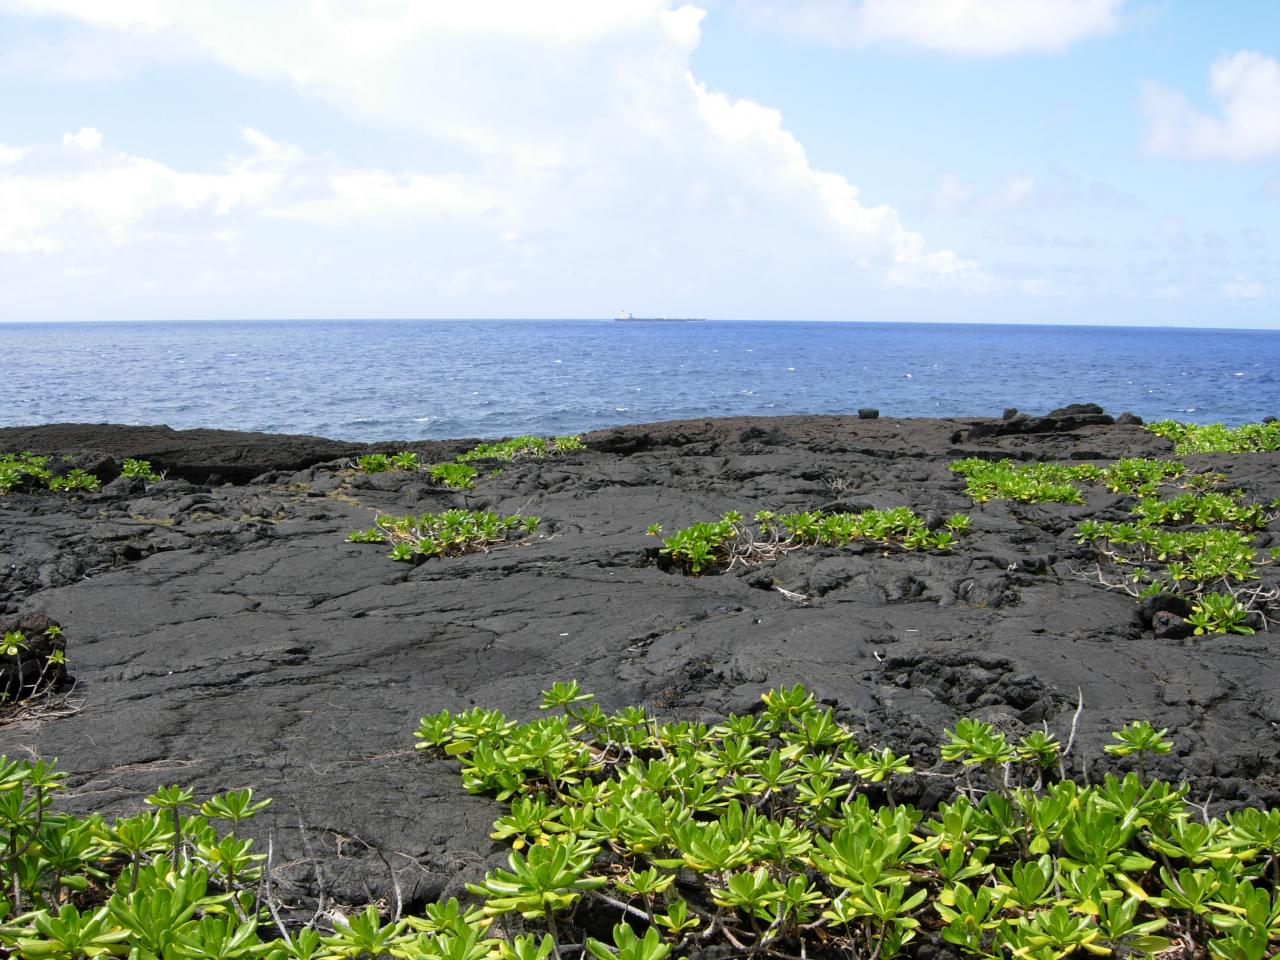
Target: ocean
(404, 379)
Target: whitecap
(791, 369)
(557, 361)
(1237, 374)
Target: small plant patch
(373, 463)
(1219, 613)
(1198, 545)
(730, 540)
(23, 471)
(141, 469)
(161, 883)
(30, 472)
(74, 480)
(1203, 509)
(459, 476)
(776, 834)
(1058, 483)
(1217, 438)
(523, 447)
(1140, 476)
(405, 460)
(1027, 483)
(383, 462)
(30, 670)
(450, 533)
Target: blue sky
(1060, 161)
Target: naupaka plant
(775, 834)
(23, 471)
(1217, 438)
(730, 541)
(160, 883)
(459, 476)
(140, 469)
(448, 533)
(523, 447)
(1198, 545)
(15, 647)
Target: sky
(1012, 161)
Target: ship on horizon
(626, 316)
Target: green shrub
(140, 469)
(373, 463)
(1199, 545)
(569, 444)
(457, 475)
(1028, 483)
(383, 462)
(74, 480)
(776, 834)
(1216, 438)
(1204, 509)
(30, 472)
(1219, 613)
(14, 645)
(1138, 475)
(450, 533)
(164, 882)
(23, 471)
(405, 460)
(522, 447)
(729, 541)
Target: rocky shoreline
(222, 633)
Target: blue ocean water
(378, 379)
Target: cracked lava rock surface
(221, 633)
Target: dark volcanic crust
(227, 635)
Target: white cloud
(1244, 290)
(964, 27)
(589, 153)
(84, 196)
(81, 195)
(771, 160)
(1246, 87)
(87, 140)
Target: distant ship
(624, 316)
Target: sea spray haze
(365, 380)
